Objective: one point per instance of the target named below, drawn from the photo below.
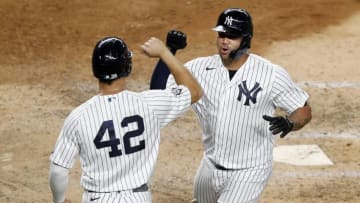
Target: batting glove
(279, 124)
(176, 40)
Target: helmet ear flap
(128, 66)
(246, 43)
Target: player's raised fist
(176, 40)
(154, 47)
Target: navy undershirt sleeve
(160, 74)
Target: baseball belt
(142, 188)
(217, 166)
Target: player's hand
(279, 124)
(154, 47)
(176, 40)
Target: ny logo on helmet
(249, 94)
(228, 20)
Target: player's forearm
(182, 75)
(301, 117)
(156, 48)
(159, 76)
(58, 179)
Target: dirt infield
(45, 57)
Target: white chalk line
(317, 174)
(343, 135)
(330, 85)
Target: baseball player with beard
(117, 132)
(241, 93)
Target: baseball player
(241, 93)
(116, 133)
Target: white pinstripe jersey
(117, 136)
(230, 112)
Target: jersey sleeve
(66, 147)
(287, 95)
(171, 81)
(168, 104)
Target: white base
(301, 155)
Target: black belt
(142, 188)
(217, 166)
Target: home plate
(301, 155)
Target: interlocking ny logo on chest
(250, 95)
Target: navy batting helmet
(111, 59)
(236, 22)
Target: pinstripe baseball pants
(219, 185)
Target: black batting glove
(176, 40)
(279, 124)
